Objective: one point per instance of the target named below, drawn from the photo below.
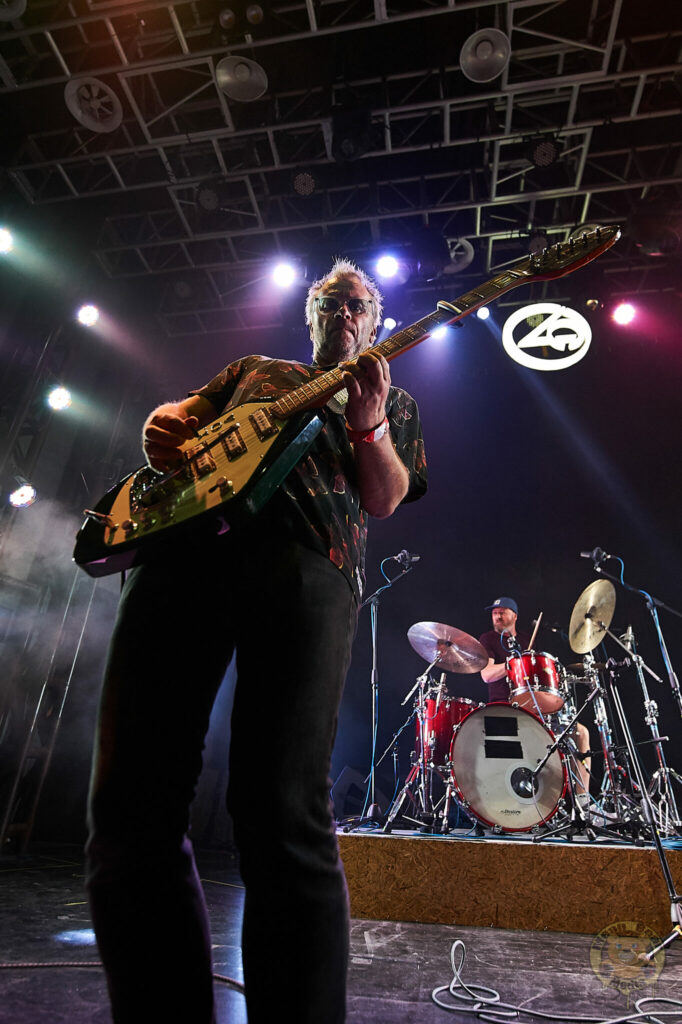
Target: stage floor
(394, 965)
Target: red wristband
(373, 434)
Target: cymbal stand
(653, 604)
(415, 787)
(660, 785)
(611, 789)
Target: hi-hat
(591, 616)
(454, 650)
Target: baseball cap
(504, 602)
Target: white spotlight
(390, 324)
(59, 398)
(6, 241)
(23, 496)
(439, 332)
(387, 266)
(88, 315)
(483, 313)
(284, 275)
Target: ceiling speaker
(485, 55)
(241, 79)
(93, 104)
(10, 10)
(461, 255)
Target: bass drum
(492, 757)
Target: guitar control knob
(129, 526)
(222, 484)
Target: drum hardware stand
(406, 562)
(577, 822)
(417, 775)
(612, 788)
(668, 813)
(649, 814)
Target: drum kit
(516, 767)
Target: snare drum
(534, 682)
(492, 756)
(437, 726)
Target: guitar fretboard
(555, 261)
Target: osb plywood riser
(581, 888)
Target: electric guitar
(235, 463)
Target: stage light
(88, 315)
(24, 496)
(439, 332)
(483, 313)
(304, 183)
(59, 398)
(387, 266)
(284, 275)
(624, 313)
(6, 241)
(390, 324)
(544, 152)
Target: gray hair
(346, 268)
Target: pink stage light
(624, 313)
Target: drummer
(501, 641)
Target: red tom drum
(437, 726)
(534, 682)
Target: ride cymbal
(454, 650)
(591, 616)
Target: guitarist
(283, 591)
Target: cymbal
(455, 650)
(591, 616)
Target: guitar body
(227, 475)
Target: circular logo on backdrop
(546, 336)
(618, 956)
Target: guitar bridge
(263, 423)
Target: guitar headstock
(565, 257)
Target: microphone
(597, 555)
(405, 558)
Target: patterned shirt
(319, 500)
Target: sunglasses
(357, 307)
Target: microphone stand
(373, 813)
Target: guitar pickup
(202, 461)
(263, 423)
(233, 443)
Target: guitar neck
(555, 261)
(316, 392)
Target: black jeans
(291, 616)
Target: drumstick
(535, 632)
